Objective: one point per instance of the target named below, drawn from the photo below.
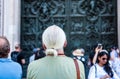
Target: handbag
(77, 68)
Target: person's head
(17, 47)
(4, 47)
(103, 57)
(53, 39)
(82, 51)
(79, 52)
(114, 48)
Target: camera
(99, 46)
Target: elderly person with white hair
(55, 65)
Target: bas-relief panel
(96, 20)
(36, 17)
(86, 22)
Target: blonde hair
(79, 52)
(53, 38)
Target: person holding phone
(102, 69)
(97, 50)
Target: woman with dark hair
(102, 69)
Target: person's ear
(65, 44)
(8, 50)
(99, 58)
(44, 47)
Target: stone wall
(10, 20)
(118, 10)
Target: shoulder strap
(77, 68)
(95, 71)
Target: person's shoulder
(21, 54)
(15, 64)
(14, 52)
(93, 67)
(33, 64)
(80, 62)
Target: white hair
(53, 38)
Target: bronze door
(85, 22)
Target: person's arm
(95, 58)
(96, 54)
(22, 58)
(23, 61)
(105, 76)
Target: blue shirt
(10, 69)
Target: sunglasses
(104, 59)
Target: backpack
(14, 56)
(84, 60)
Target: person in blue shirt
(8, 68)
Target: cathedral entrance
(85, 22)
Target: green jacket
(49, 67)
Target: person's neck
(60, 52)
(101, 65)
(17, 50)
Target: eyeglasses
(104, 58)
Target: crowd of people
(50, 61)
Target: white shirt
(116, 66)
(32, 58)
(113, 54)
(98, 72)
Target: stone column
(12, 21)
(17, 15)
(118, 10)
(1, 17)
